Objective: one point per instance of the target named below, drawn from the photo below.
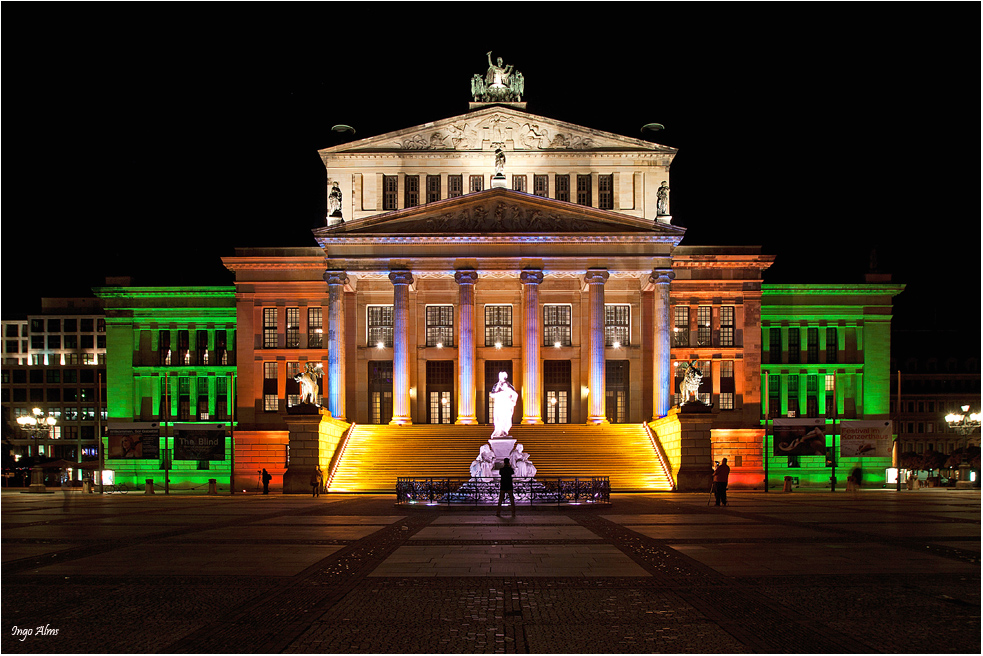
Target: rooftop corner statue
(500, 84)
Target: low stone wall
(685, 437)
(258, 450)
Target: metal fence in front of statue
(586, 490)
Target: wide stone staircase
(375, 456)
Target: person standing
(267, 477)
(505, 487)
(317, 479)
(720, 476)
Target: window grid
(605, 192)
(293, 327)
(380, 319)
(832, 346)
(411, 191)
(498, 325)
(315, 329)
(775, 345)
(680, 330)
(813, 345)
(455, 186)
(557, 325)
(727, 325)
(794, 345)
(703, 315)
(440, 325)
(476, 183)
(583, 190)
(563, 187)
(541, 185)
(518, 183)
(433, 188)
(390, 192)
(725, 398)
(617, 325)
(269, 327)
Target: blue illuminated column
(335, 375)
(532, 412)
(465, 347)
(663, 376)
(401, 347)
(595, 279)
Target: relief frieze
(497, 131)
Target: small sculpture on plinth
(662, 200)
(521, 464)
(689, 389)
(504, 396)
(309, 390)
(334, 204)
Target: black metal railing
(477, 491)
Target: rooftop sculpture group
(500, 84)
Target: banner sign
(134, 440)
(199, 442)
(866, 438)
(799, 437)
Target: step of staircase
(375, 456)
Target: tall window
(411, 191)
(293, 327)
(315, 328)
(380, 319)
(703, 314)
(184, 347)
(830, 395)
(832, 345)
(563, 187)
(774, 396)
(390, 191)
(794, 346)
(292, 390)
(164, 348)
(202, 402)
(222, 398)
(498, 325)
(440, 325)
(725, 397)
(812, 335)
(476, 183)
(541, 185)
(605, 192)
(617, 325)
(201, 346)
(269, 327)
(584, 190)
(812, 399)
(727, 325)
(433, 188)
(270, 392)
(793, 394)
(775, 345)
(184, 398)
(680, 326)
(518, 183)
(557, 329)
(455, 186)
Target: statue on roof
(662, 200)
(501, 83)
(334, 204)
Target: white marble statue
(690, 387)
(521, 464)
(505, 397)
(308, 382)
(487, 458)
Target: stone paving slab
(490, 518)
(16, 551)
(278, 533)
(504, 532)
(326, 520)
(726, 532)
(921, 529)
(637, 520)
(77, 531)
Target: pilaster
(466, 393)
(595, 279)
(532, 411)
(401, 347)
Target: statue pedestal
(498, 181)
(502, 446)
(303, 422)
(664, 218)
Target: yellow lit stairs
(375, 456)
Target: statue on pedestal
(521, 464)
(308, 382)
(505, 397)
(662, 200)
(334, 204)
(690, 387)
(501, 83)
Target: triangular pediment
(500, 211)
(495, 127)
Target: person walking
(720, 476)
(267, 477)
(505, 487)
(317, 480)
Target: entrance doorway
(380, 392)
(440, 392)
(492, 369)
(556, 388)
(616, 391)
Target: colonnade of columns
(532, 322)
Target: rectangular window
(498, 325)
(518, 183)
(727, 325)
(812, 399)
(557, 327)
(832, 346)
(541, 185)
(775, 345)
(71, 342)
(774, 396)
(87, 325)
(164, 348)
(293, 327)
(292, 390)
(411, 191)
(793, 395)
(315, 327)
(563, 187)
(54, 341)
(380, 321)
(433, 188)
(54, 325)
(37, 325)
(584, 191)
(184, 398)
(269, 328)
(476, 183)
(812, 335)
(727, 387)
(605, 192)
(202, 402)
(455, 186)
(270, 392)
(222, 398)
(440, 325)
(680, 326)
(830, 395)
(617, 325)
(390, 192)
(703, 314)
(201, 346)
(794, 346)
(71, 325)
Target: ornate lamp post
(38, 426)
(964, 425)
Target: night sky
(151, 140)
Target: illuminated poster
(135, 440)
(866, 439)
(800, 437)
(199, 442)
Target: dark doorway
(616, 391)
(380, 392)
(556, 391)
(440, 392)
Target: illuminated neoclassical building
(502, 241)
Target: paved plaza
(873, 572)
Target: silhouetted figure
(720, 476)
(505, 487)
(317, 480)
(267, 477)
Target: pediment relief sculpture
(499, 131)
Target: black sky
(150, 140)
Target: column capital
(401, 277)
(662, 276)
(466, 277)
(334, 277)
(531, 276)
(596, 276)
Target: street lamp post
(964, 425)
(37, 425)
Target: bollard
(788, 484)
(87, 486)
(212, 486)
(148, 487)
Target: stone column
(532, 411)
(595, 279)
(401, 347)
(334, 377)
(465, 347)
(662, 370)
